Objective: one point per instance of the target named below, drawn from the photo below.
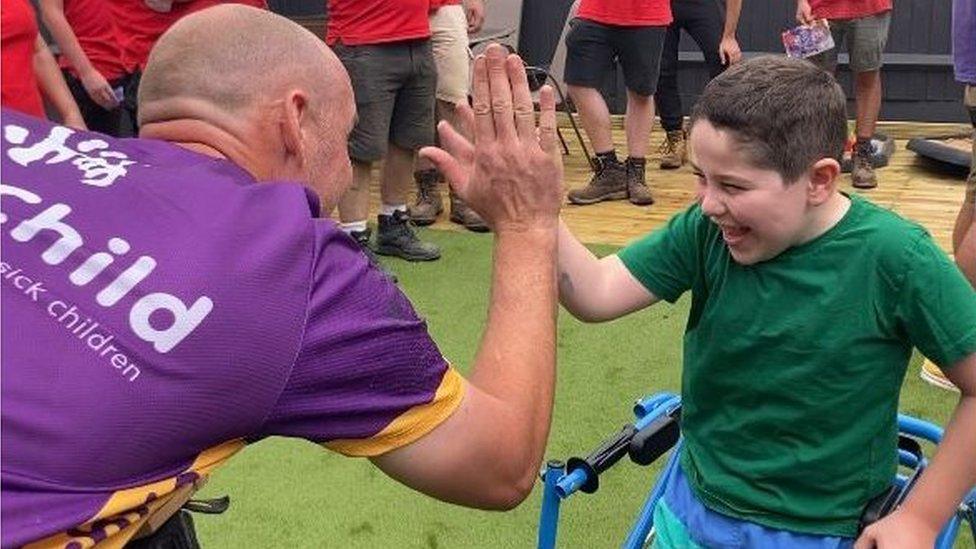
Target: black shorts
(592, 49)
(395, 87)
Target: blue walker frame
(560, 484)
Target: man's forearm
(52, 83)
(733, 8)
(53, 13)
(516, 360)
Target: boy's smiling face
(759, 214)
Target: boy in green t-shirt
(806, 304)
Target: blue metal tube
(549, 518)
(645, 520)
(919, 428)
(649, 403)
(569, 484)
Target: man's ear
(294, 122)
(824, 175)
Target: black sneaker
(362, 238)
(395, 237)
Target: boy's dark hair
(786, 113)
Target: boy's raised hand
(511, 174)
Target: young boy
(806, 304)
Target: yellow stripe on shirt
(409, 426)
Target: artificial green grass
(288, 493)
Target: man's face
(329, 170)
(759, 215)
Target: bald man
(170, 299)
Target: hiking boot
(362, 238)
(673, 150)
(395, 237)
(862, 172)
(462, 214)
(429, 204)
(637, 191)
(608, 183)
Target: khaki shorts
(865, 38)
(449, 38)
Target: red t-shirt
(94, 26)
(18, 34)
(361, 22)
(848, 9)
(630, 13)
(436, 4)
(140, 27)
(198, 5)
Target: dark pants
(704, 21)
(118, 122)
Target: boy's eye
(732, 188)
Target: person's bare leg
(395, 176)
(637, 123)
(867, 97)
(595, 116)
(354, 204)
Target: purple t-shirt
(964, 40)
(160, 309)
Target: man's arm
(728, 49)
(487, 454)
(474, 10)
(593, 289)
(804, 14)
(97, 87)
(951, 474)
(52, 85)
(964, 232)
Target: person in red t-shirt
(863, 24)
(91, 58)
(29, 70)
(386, 49)
(632, 33)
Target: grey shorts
(865, 38)
(394, 86)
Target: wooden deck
(909, 185)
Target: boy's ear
(824, 175)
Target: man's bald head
(231, 56)
(257, 89)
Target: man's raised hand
(511, 174)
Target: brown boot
(429, 204)
(462, 214)
(608, 183)
(637, 191)
(673, 151)
(862, 172)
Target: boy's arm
(595, 290)
(52, 85)
(97, 87)
(947, 480)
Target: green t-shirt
(792, 366)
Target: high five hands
(511, 173)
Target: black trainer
(362, 238)
(395, 237)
